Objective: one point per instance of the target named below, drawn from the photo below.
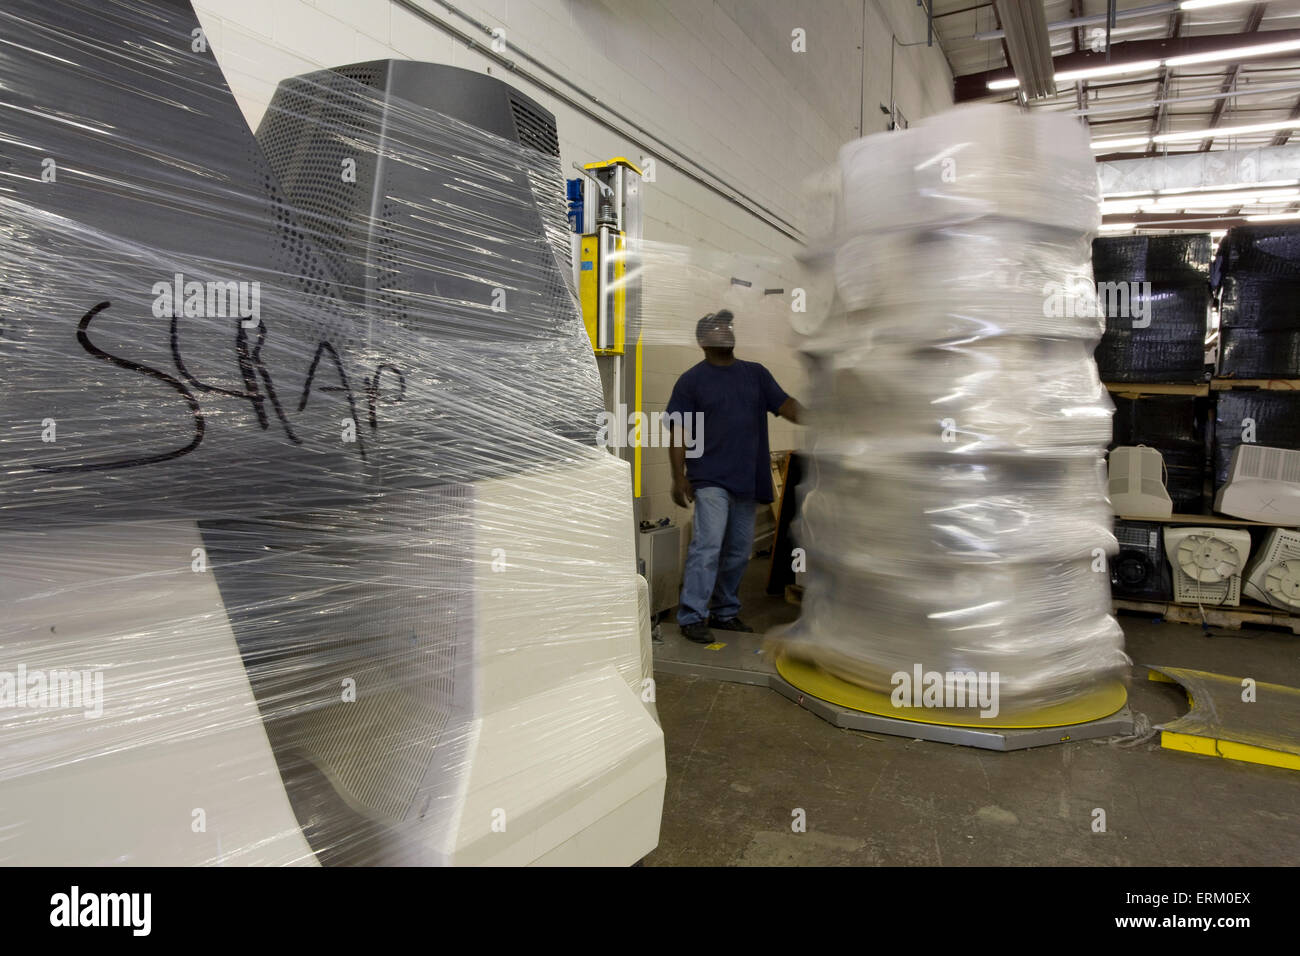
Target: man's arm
(791, 410)
(682, 493)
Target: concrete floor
(742, 759)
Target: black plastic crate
(1270, 418)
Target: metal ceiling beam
(1180, 220)
(1080, 88)
(973, 86)
(1253, 20)
(1029, 52)
(1135, 105)
(1162, 91)
(953, 13)
(1285, 134)
(1154, 10)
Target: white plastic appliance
(1274, 573)
(1207, 564)
(1263, 485)
(1137, 483)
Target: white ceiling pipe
(1189, 171)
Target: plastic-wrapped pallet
(955, 515)
(1155, 295)
(1257, 272)
(307, 552)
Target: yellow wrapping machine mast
(608, 290)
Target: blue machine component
(573, 193)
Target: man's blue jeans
(722, 537)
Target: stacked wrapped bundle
(1154, 293)
(955, 515)
(1258, 272)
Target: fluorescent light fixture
(1212, 200)
(1234, 53)
(1202, 4)
(1124, 141)
(1146, 66)
(1110, 69)
(1275, 217)
(1117, 226)
(1234, 186)
(1218, 132)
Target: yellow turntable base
(811, 679)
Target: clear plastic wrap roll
(307, 552)
(955, 516)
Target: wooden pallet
(1268, 384)
(1232, 618)
(1224, 520)
(1138, 389)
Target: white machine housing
(1207, 564)
(1263, 485)
(562, 744)
(1273, 576)
(1137, 483)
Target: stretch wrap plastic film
(955, 514)
(1258, 276)
(308, 552)
(1155, 295)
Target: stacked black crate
(1155, 292)
(1257, 274)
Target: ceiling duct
(1028, 49)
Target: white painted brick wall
(717, 80)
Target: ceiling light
(1125, 141)
(1237, 186)
(1111, 69)
(1117, 226)
(1274, 217)
(1202, 4)
(1217, 132)
(1145, 66)
(1227, 199)
(1235, 53)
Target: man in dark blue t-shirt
(723, 402)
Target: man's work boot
(730, 624)
(698, 632)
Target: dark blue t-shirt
(734, 401)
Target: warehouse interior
(348, 343)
